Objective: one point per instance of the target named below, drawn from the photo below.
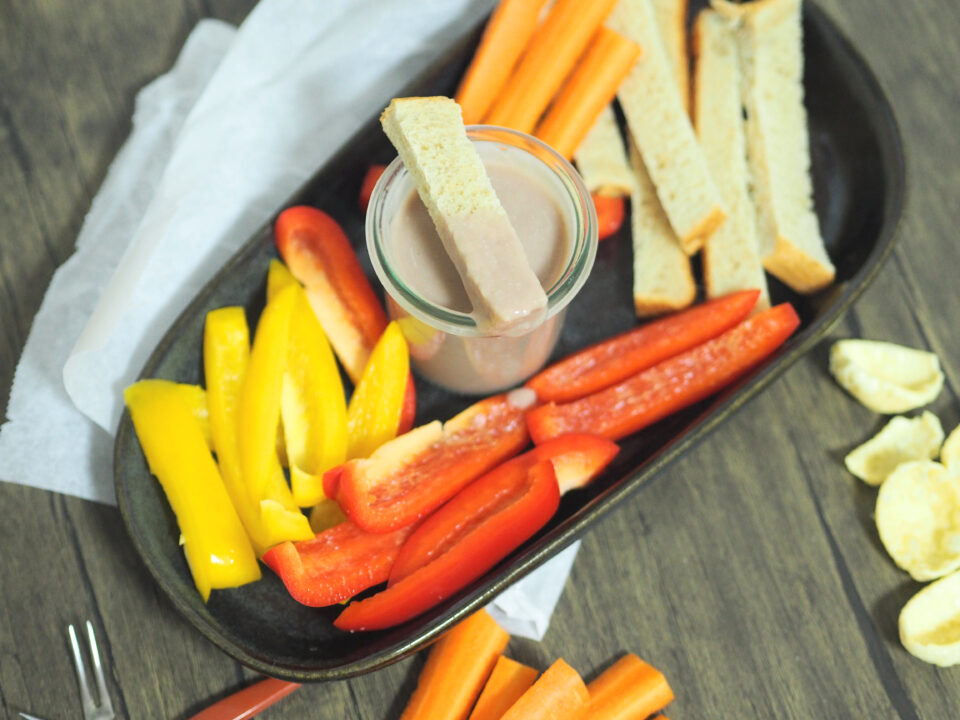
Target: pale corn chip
(930, 622)
(950, 452)
(918, 518)
(887, 378)
(901, 440)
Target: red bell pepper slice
(369, 182)
(478, 527)
(319, 254)
(670, 386)
(408, 411)
(610, 214)
(610, 361)
(576, 459)
(336, 564)
(412, 475)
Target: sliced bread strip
(778, 147)
(662, 277)
(429, 135)
(672, 23)
(731, 255)
(663, 133)
(601, 158)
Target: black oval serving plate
(858, 170)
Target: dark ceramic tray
(858, 170)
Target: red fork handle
(248, 702)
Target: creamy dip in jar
(554, 217)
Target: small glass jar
(446, 346)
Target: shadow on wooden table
(887, 609)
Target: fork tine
(105, 705)
(85, 700)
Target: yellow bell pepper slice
(226, 351)
(260, 393)
(374, 412)
(279, 277)
(193, 396)
(325, 515)
(313, 408)
(216, 546)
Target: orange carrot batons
(551, 54)
(630, 689)
(508, 681)
(458, 665)
(506, 36)
(589, 89)
(559, 694)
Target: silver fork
(91, 711)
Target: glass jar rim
(564, 289)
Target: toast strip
(663, 133)
(672, 23)
(662, 278)
(452, 182)
(731, 256)
(778, 145)
(602, 159)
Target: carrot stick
(456, 670)
(559, 694)
(508, 681)
(630, 689)
(551, 54)
(507, 34)
(588, 90)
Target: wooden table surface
(750, 573)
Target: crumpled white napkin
(243, 118)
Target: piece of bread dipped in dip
(476, 233)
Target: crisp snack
(950, 452)
(918, 518)
(901, 440)
(930, 622)
(886, 378)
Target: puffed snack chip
(885, 377)
(950, 452)
(930, 622)
(901, 440)
(918, 518)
